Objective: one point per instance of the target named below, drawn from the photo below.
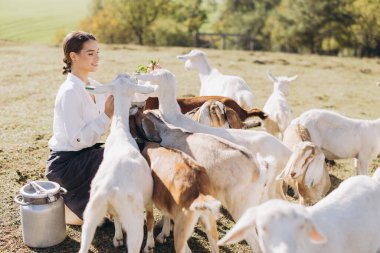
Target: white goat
(255, 141)
(182, 191)
(338, 136)
(346, 221)
(277, 107)
(123, 184)
(214, 83)
(239, 181)
(307, 173)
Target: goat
(307, 173)
(346, 221)
(214, 83)
(277, 107)
(232, 109)
(182, 191)
(214, 113)
(338, 136)
(238, 179)
(255, 141)
(123, 184)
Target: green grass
(39, 20)
(31, 74)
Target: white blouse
(78, 122)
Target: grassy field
(31, 74)
(39, 20)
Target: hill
(39, 20)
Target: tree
(365, 32)
(299, 24)
(168, 22)
(246, 17)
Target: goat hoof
(118, 242)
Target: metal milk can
(42, 213)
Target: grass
(39, 20)
(31, 74)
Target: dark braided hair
(73, 42)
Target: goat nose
(293, 174)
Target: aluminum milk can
(42, 213)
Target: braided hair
(73, 42)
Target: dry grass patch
(31, 74)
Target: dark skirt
(74, 170)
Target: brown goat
(188, 104)
(182, 191)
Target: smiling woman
(80, 118)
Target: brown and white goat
(237, 177)
(235, 115)
(182, 191)
(307, 173)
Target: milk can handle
(18, 201)
(62, 191)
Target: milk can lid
(39, 189)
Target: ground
(30, 75)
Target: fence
(224, 41)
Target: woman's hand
(108, 108)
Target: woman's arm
(79, 133)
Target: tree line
(344, 27)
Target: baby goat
(277, 107)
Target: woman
(80, 118)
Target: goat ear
(239, 231)
(291, 79)
(315, 169)
(316, 236)
(150, 130)
(271, 77)
(183, 57)
(283, 174)
(376, 175)
(233, 118)
(102, 89)
(195, 114)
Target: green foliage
(152, 22)
(300, 25)
(246, 17)
(153, 64)
(365, 32)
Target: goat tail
(303, 133)
(376, 175)
(256, 112)
(206, 202)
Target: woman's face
(87, 59)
